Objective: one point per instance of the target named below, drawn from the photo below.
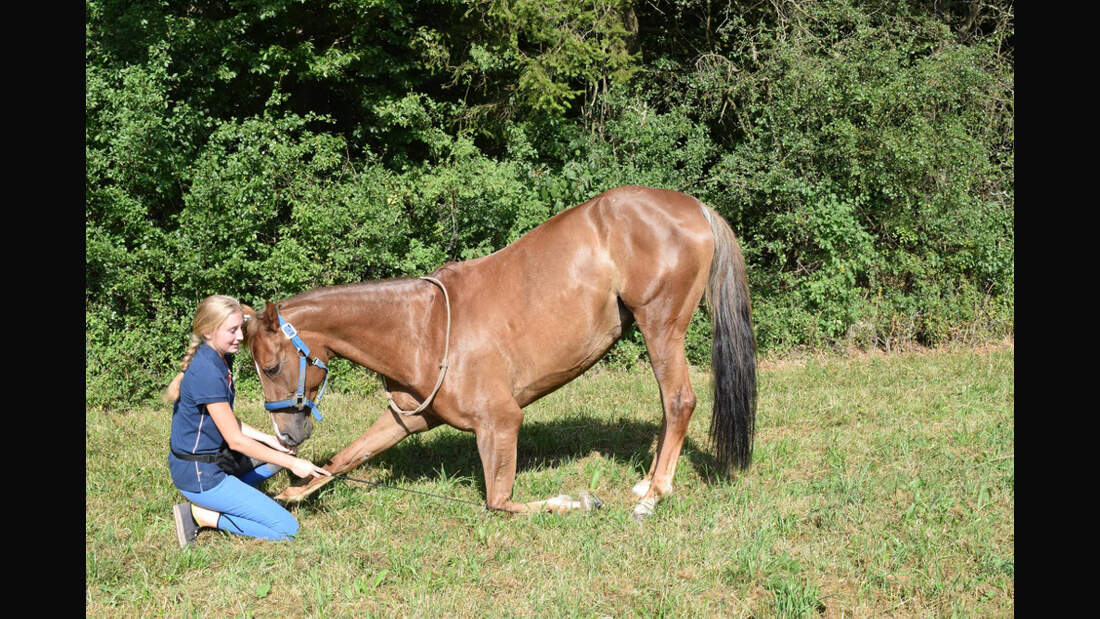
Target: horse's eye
(273, 370)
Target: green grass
(881, 485)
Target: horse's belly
(554, 359)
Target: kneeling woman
(204, 426)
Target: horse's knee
(495, 504)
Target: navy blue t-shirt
(206, 380)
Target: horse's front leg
(389, 429)
(496, 444)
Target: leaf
(381, 576)
(595, 480)
(263, 590)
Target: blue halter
(299, 400)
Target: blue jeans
(244, 509)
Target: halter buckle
(289, 331)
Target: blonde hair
(212, 312)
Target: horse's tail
(733, 351)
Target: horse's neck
(383, 326)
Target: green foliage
(862, 151)
(868, 170)
(562, 49)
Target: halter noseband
(299, 401)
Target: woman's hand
(305, 468)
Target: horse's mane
(315, 294)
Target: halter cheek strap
(299, 401)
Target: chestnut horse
(504, 330)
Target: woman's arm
(267, 439)
(231, 430)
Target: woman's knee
(287, 526)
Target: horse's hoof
(641, 488)
(644, 509)
(589, 501)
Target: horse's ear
(270, 317)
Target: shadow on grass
(542, 445)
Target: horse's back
(621, 220)
(623, 234)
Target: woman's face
(226, 339)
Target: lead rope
(420, 492)
(442, 366)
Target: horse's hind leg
(666, 351)
(664, 326)
(385, 432)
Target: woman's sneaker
(186, 527)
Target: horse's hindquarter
(541, 311)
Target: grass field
(881, 485)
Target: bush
(862, 152)
(864, 172)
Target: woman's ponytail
(172, 393)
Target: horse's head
(277, 361)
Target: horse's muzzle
(287, 441)
(291, 427)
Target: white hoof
(644, 508)
(641, 488)
(589, 501)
